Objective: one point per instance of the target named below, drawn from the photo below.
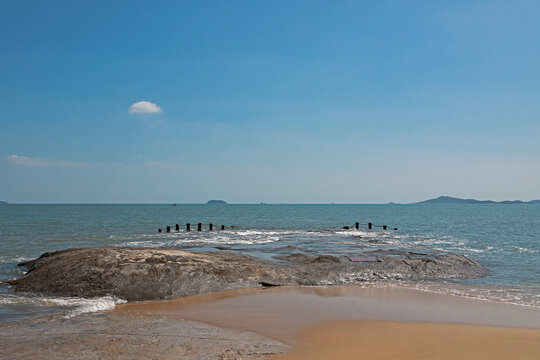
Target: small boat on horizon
(173, 204)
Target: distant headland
(3, 202)
(453, 200)
(216, 202)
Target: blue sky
(273, 101)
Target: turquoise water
(505, 238)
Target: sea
(504, 238)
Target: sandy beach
(407, 341)
(354, 322)
(341, 322)
(240, 313)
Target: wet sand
(352, 322)
(349, 322)
(281, 313)
(411, 341)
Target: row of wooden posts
(211, 227)
(199, 227)
(369, 225)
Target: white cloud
(21, 160)
(27, 161)
(40, 162)
(144, 107)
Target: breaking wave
(68, 306)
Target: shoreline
(73, 306)
(377, 322)
(280, 312)
(236, 306)
(283, 323)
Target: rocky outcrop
(135, 274)
(115, 336)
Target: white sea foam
(256, 232)
(525, 250)
(14, 259)
(73, 305)
(472, 250)
(92, 305)
(523, 296)
(226, 237)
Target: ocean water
(504, 238)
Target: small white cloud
(40, 162)
(27, 161)
(144, 107)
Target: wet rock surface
(113, 336)
(136, 274)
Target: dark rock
(326, 259)
(30, 263)
(136, 274)
(298, 258)
(290, 248)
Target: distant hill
(3, 202)
(216, 202)
(453, 200)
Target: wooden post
(384, 227)
(210, 226)
(222, 227)
(356, 225)
(177, 227)
(369, 225)
(168, 228)
(158, 230)
(188, 227)
(199, 227)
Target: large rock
(133, 273)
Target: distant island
(453, 200)
(216, 202)
(3, 202)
